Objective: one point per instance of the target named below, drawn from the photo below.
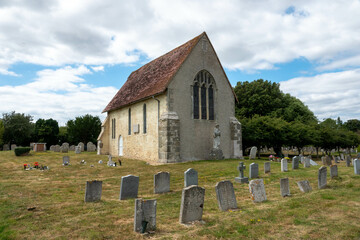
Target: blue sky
(62, 59)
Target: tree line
(19, 128)
(272, 118)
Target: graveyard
(49, 204)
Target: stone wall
(169, 138)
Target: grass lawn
(58, 195)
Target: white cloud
(98, 68)
(328, 95)
(248, 35)
(60, 94)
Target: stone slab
(322, 177)
(192, 204)
(284, 187)
(267, 167)
(333, 171)
(129, 187)
(93, 191)
(225, 195)
(257, 190)
(145, 215)
(254, 170)
(190, 177)
(162, 182)
(304, 186)
(284, 165)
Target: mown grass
(58, 195)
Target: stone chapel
(167, 110)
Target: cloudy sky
(66, 58)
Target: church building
(167, 110)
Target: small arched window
(203, 96)
(129, 121)
(144, 118)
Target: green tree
(47, 131)
(63, 135)
(83, 129)
(300, 135)
(18, 128)
(353, 125)
(1, 132)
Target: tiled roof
(152, 78)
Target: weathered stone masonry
(169, 138)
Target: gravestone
(348, 160)
(90, 147)
(333, 171)
(342, 156)
(284, 187)
(81, 145)
(313, 163)
(304, 186)
(337, 159)
(328, 161)
(129, 187)
(57, 148)
(225, 195)
(66, 160)
(64, 149)
(145, 215)
(295, 162)
(323, 160)
(190, 177)
(93, 191)
(257, 190)
(13, 146)
(253, 151)
(110, 162)
(284, 165)
(357, 166)
(72, 148)
(306, 162)
(77, 149)
(6, 147)
(322, 177)
(192, 204)
(52, 148)
(162, 182)
(267, 167)
(241, 178)
(253, 170)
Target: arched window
(203, 96)
(129, 121)
(144, 118)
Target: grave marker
(284, 165)
(241, 178)
(284, 187)
(267, 167)
(304, 186)
(129, 187)
(66, 160)
(93, 191)
(253, 153)
(333, 171)
(348, 160)
(190, 177)
(162, 182)
(295, 162)
(357, 166)
(306, 162)
(192, 204)
(225, 195)
(322, 177)
(254, 170)
(145, 215)
(257, 190)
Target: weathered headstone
(72, 148)
(13, 146)
(253, 170)
(304, 186)
(357, 166)
(267, 167)
(145, 215)
(162, 182)
(284, 165)
(192, 204)
(90, 147)
(313, 163)
(295, 162)
(57, 148)
(322, 177)
(323, 160)
(333, 171)
(6, 147)
(66, 160)
(52, 148)
(328, 161)
(93, 191)
(77, 149)
(284, 187)
(129, 187)
(64, 149)
(190, 177)
(342, 157)
(225, 195)
(82, 147)
(348, 160)
(337, 159)
(253, 151)
(241, 178)
(306, 162)
(257, 190)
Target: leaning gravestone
(284, 187)
(253, 153)
(190, 177)
(307, 162)
(337, 159)
(348, 160)
(129, 187)
(93, 191)
(81, 145)
(72, 148)
(295, 162)
(145, 215)
(192, 204)
(6, 147)
(257, 190)
(357, 166)
(162, 182)
(322, 177)
(304, 186)
(267, 167)
(77, 149)
(241, 178)
(253, 170)
(284, 165)
(333, 171)
(66, 160)
(313, 163)
(225, 195)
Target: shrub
(22, 151)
